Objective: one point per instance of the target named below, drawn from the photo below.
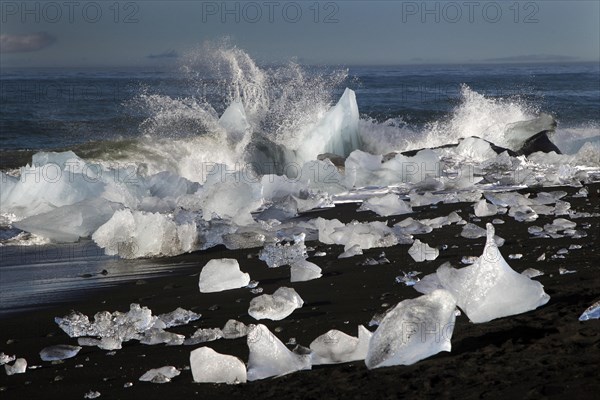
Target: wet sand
(545, 353)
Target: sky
(144, 33)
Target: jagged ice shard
(222, 274)
(490, 288)
(270, 357)
(413, 330)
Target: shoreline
(546, 352)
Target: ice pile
(113, 329)
(422, 251)
(387, 205)
(592, 312)
(59, 352)
(413, 330)
(160, 375)
(276, 306)
(222, 274)
(208, 366)
(336, 347)
(277, 254)
(270, 357)
(490, 288)
(304, 271)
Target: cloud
(533, 58)
(25, 43)
(165, 54)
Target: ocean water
(107, 112)
(166, 120)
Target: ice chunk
(390, 204)
(409, 279)
(351, 252)
(490, 288)
(559, 224)
(112, 328)
(59, 352)
(277, 254)
(326, 227)
(5, 358)
(270, 357)
(336, 133)
(485, 209)
(304, 271)
(178, 317)
(411, 226)
(69, 223)
(18, 367)
(592, 312)
(472, 231)
(276, 306)
(234, 329)
(92, 394)
(203, 335)
(222, 274)
(208, 366)
(422, 251)
(134, 234)
(336, 347)
(428, 284)
(366, 235)
(405, 333)
(522, 213)
(532, 272)
(158, 336)
(232, 199)
(160, 375)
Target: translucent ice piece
(59, 352)
(234, 329)
(489, 288)
(422, 251)
(208, 366)
(222, 274)
(160, 375)
(592, 312)
(270, 357)
(351, 252)
(390, 204)
(413, 330)
(18, 367)
(304, 271)
(485, 209)
(276, 255)
(203, 335)
(178, 317)
(277, 306)
(336, 347)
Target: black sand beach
(545, 353)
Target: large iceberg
(413, 330)
(208, 366)
(269, 357)
(222, 274)
(336, 347)
(490, 288)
